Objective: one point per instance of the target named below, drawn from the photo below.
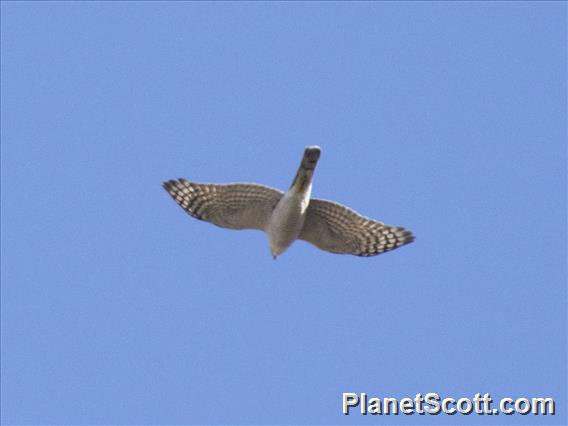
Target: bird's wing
(338, 229)
(234, 205)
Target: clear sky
(445, 118)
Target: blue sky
(445, 118)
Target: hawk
(288, 216)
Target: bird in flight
(288, 216)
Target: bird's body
(289, 216)
(287, 219)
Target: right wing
(233, 206)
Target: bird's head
(311, 157)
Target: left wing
(339, 229)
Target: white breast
(287, 220)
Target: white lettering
(349, 400)
(445, 408)
(407, 406)
(468, 406)
(522, 406)
(432, 399)
(546, 406)
(374, 406)
(503, 406)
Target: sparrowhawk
(288, 216)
